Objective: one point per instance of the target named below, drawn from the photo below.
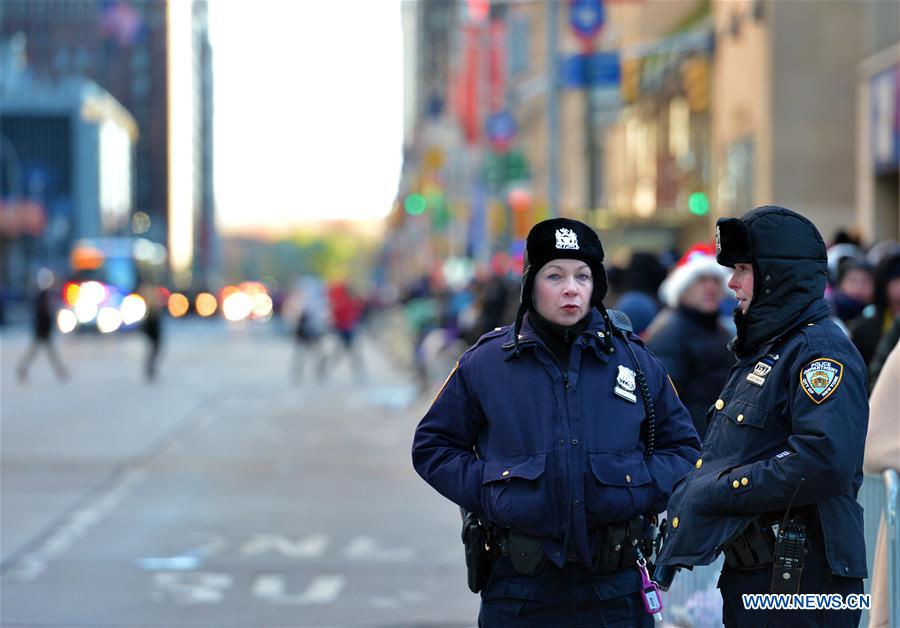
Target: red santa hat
(698, 261)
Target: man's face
(703, 295)
(562, 291)
(857, 283)
(742, 283)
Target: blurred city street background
(243, 243)
(224, 495)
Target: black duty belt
(755, 547)
(617, 547)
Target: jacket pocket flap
(744, 413)
(523, 467)
(618, 469)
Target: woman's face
(742, 283)
(562, 291)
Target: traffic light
(698, 203)
(630, 80)
(414, 204)
(695, 81)
(515, 166)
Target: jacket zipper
(569, 459)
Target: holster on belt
(525, 553)
(476, 539)
(618, 541)
(753, 549)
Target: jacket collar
(593, 335)
(816, 311)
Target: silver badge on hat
(718, 240)
(566, 239)
(625, 385)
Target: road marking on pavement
(311, 546)
(322, 590)
(188, 560)
(169, 563)
(405, 598)
(192, 587)
(76, 526)
(366, 548)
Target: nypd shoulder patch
(820, 378)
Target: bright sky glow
(308, 110)
(181, 163)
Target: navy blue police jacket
(550, 450)
(795, 407)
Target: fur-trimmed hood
(790, 266)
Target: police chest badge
(820, 378)
(625, 385)
(758, 376)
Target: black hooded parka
(792, 417)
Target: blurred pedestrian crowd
(678, 302)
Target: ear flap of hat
(734, 242)
(601, 285)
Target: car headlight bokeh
(262, 306)
(92, 292)
(70, 293)
(66, 321)
(237, 306)
(86, 310)
(109, 319)
(178, 305)
(205, 304)
(133, 309)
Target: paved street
(223, 495)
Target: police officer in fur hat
(562, 437)
(775, 488)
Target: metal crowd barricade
(891, 491)
(693, 599)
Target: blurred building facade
(122, 46)
(790, 124)
(657, 151)
(717, 106)
(207, 247)
(878, 124)
(67, 169)
(434, 151)
(588, 154)
(125, 47)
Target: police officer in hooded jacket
(775, 487)
(542, 429)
